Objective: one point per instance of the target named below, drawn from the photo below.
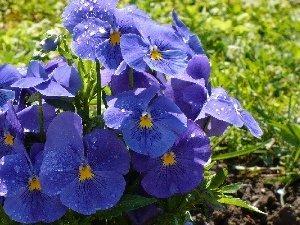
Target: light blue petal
(134, 49)
(173, 62)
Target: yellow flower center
(8, 139)
(168, 159)
(155, 54)
(146, 121)
(85, 173)
(34, 184)
(115, 38)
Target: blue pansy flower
(190, 89)
(62, 81)
(79, 10)
(192, 40)
(180, 169)
(86, 172)
(149, 124)
(222, 107)
(158, 48)
(11, 132)
(95, 38)
(25, 201)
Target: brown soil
(264, 196)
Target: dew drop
(218, 111)
(17, 169)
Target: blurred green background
(253, 46)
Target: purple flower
(192, 40)
(189, 90)
(86, 172)
(149, 124)
(63, 81)
(180, 169)
(29, 117)
(158, 48)
(8, 75)
(11, 132)
(25, 201)
(222, 107)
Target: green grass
(253, 46)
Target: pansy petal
(250, 123)
(199, 67)
(36, 69)
(164, 182)
(106, 152)
(8, 75)
(87, 35)
(101, 192)
(28, 82)
(14, 171)
(5, 96)
(29, 117)
(153, 141)
(173, 62)
(32, 207)
(51, 88)
(109, 55)
(59, 168)
(68, 77)
(65, 130)
(133, 49)
(79, 10)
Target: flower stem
(41, 119)
(130, 78)
(99, 88)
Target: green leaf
(61, 104)
(127, 203)
(217, 179)
(33, 98)
(240, 152)
(239, 202)
(290, 132)
(231, 188)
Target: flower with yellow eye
(180, 169)
(149, 124)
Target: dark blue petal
(101, 192)
(163, 182)
(195, 44)
(106, 151)
(133, 49)
(199, 67)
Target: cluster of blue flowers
(158, 119)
